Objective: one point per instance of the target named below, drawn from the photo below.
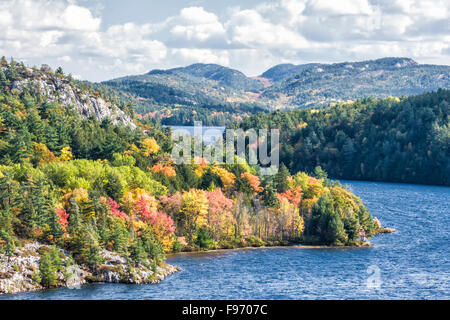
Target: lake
(209, 134)
(413, 263)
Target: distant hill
(59, 88)
(211, 93)
(224, 76)
(45, 111)
(282, 72)
(318, 84)
(218, 95)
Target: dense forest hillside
(399, 140)
(101, 189)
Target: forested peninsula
(89, 193)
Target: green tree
(137, 252)
(48, 270)
(280, 179)
(203, 239)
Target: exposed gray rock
(18, 273)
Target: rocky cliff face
(20, 272)
(57, 87)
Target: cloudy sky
(103, 39)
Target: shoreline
(300, 246)
(17, 273)
(365, 244)
(20, 272)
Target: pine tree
(20, 145)
(351, 226)
(37, 208)
(137, 252)
(280, 179)
(269, 196)
(47, 270)
(89, 247)
(59, 70)
(7, 243)
(74, 216)
(8, 191)
(335, 232)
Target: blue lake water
(413, 263)
(209, 134)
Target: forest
(391, 139)
(85, 186)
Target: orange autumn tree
(293, 194)
(253, 182)
(166, 170)
(312, 189)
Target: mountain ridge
(285, 86)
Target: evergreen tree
(74, 216)
(351, 226)
(137, 252)
(280, 179)
(48, 270)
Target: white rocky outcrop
(19, 272)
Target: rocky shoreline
(20, 272)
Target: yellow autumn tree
(290, 222)
(42, 154)
(149, 146)
(194, 211)
(227, 178)
(66, 154)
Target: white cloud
(65, 59)
(250, 29)
(79, 18)
(193, 26)
(186, 56)
(71, 33)
(52, 14)
(341, 7)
